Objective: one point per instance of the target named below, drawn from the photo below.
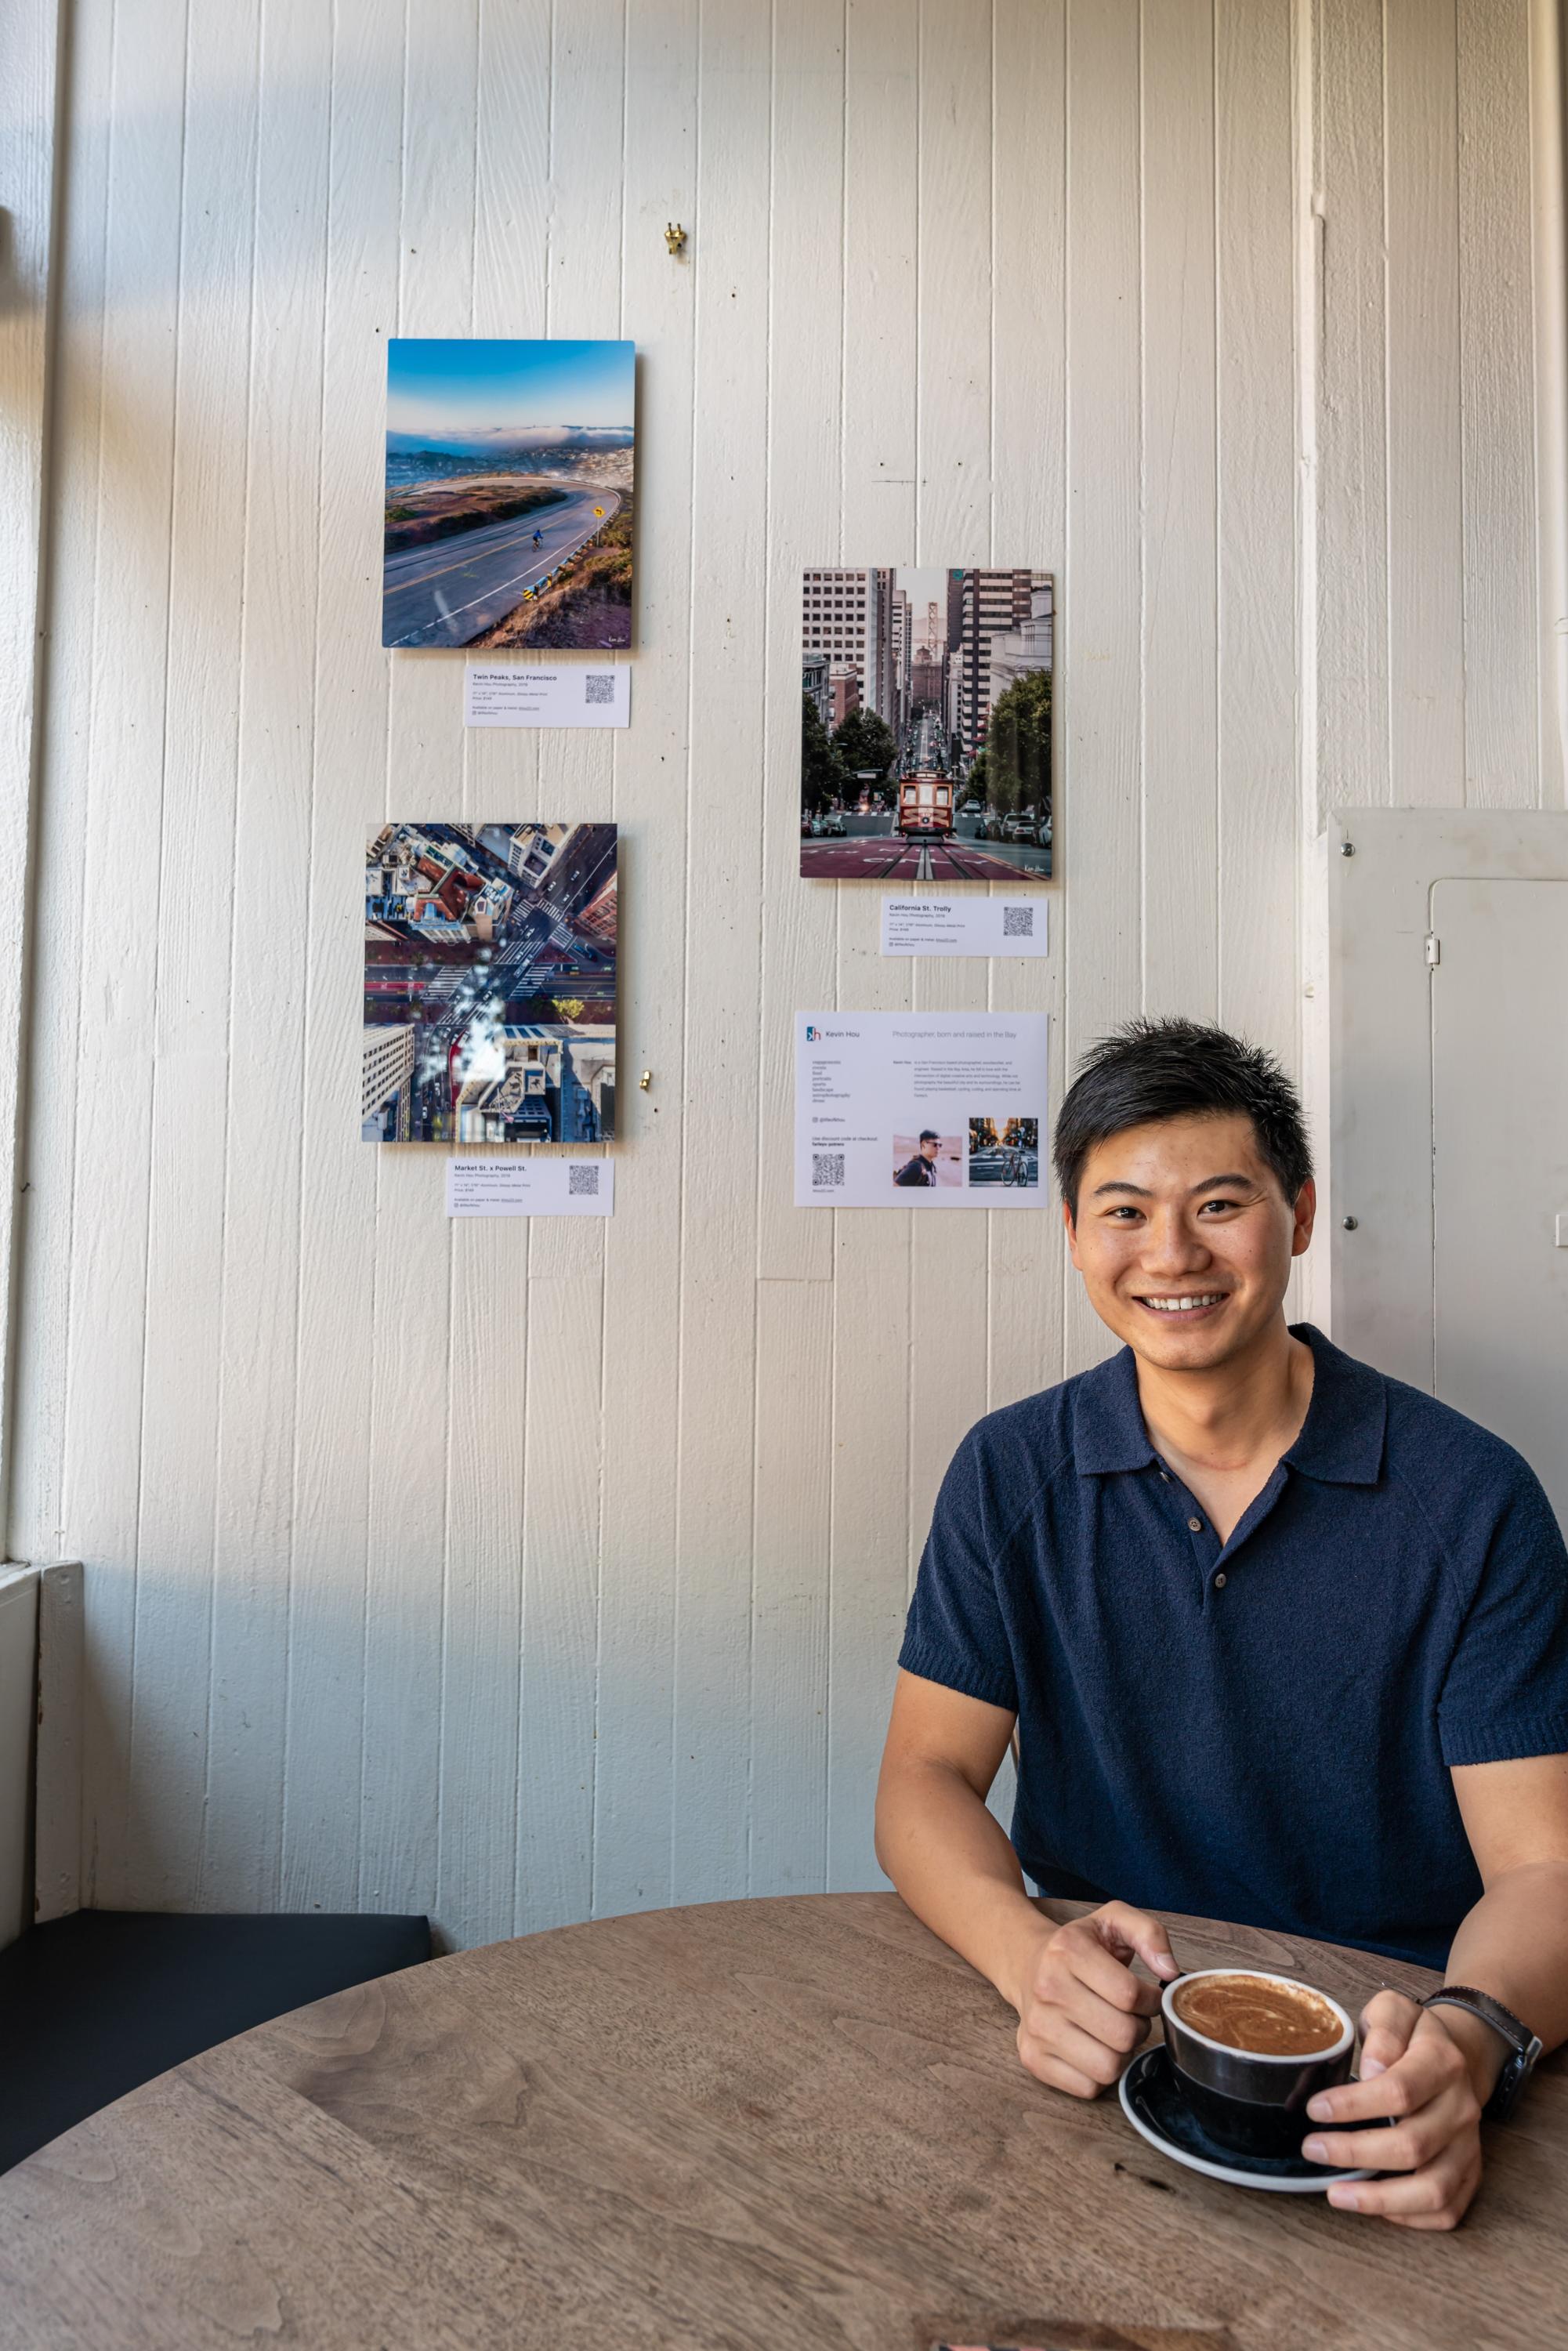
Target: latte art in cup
(1250, 2049)
(1258, 2013)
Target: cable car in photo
(926, 802)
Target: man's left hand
(1414, 2071)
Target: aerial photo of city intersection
(490, 984)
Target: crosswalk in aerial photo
(490, 960)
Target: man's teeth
(1183, 1305)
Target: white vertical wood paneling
(1256, 636)
(1426, 546)
(1351, 518)
(719, 1061)
(870, 1540)
(1100, 831)
(1178, 754)
(954, 523)
(30, 57)
(795, 1252)
(363, 1650)
(37, 1275)
(805, 433)
(1548, 277)
(565, 1304)
(517, 1574)
(241, 1823)
(1496, 407)
(555, 1774)
(192, 1032)
(481, 1838)
(120, 869)
(1029, 345)
(788, 1728)
(423, 281)
(636, 1664)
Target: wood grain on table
(771, 2123)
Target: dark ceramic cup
(1250, 2102)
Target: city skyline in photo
(925, 723)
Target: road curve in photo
(450, 591)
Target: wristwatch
(1523, 2046)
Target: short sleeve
(1506, 1691)
(956, 1633)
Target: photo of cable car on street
(925, 724)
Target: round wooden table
(775, 2123)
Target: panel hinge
(1434, 950)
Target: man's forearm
(954, 1866)
(1513, 1945)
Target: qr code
(827, 1169)
(1018, 922)
(600, 686)
(583, 1180)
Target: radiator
(19, 1711)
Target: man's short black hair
(929, 1134)
(1179, 1069)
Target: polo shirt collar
(1342, 1437)
(1341, 1440)
(1108, 1432)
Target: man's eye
(1217, 1203)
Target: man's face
(928, 1149)
(1185, 1238)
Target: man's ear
(1070, 1229)
(1306, 1213)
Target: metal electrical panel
(1500, 1164)
(1437, 1083)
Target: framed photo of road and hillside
(925, 724)
(509, 477)
(490, 961)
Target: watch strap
(1523, 2045)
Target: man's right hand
(1082, 2011)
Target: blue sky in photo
(440, 386)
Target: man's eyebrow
(1209, 1184)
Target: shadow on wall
(17, 292)
(183, 1809)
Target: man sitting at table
(1285, 1642)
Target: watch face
(1510, 2082)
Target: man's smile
(1189, 1304)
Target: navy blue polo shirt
(1261, 1730)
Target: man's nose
(1171, 1244)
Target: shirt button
(1197, 1525)
(1220, 1581)
(1165, 1476)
